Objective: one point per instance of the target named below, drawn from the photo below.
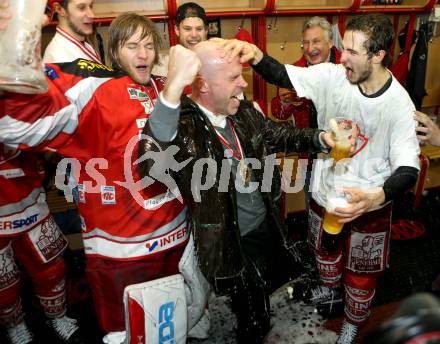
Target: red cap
(51, 3)
(244, 35)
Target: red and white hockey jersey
(22, 198)
(95, 115)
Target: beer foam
(336, 202)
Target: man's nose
(142, 53)
(243, 82)
(193, 33)
(344, 55)
(90, 13)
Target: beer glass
(330, 223)
(344, 135)
(21, 67)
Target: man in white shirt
(75, 24)
(384, 164)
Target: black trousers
(250, 297)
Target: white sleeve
(313, 82)
(405, 149)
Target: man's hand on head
(247, 52)
(182, 69)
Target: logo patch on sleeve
(108, 194)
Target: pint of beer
(330, 222)
(344, 134)
(21, 68)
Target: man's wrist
(171, 95)
(166, 102)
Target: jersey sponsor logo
(81, 193)
(19, 223)
(166, 323)
(158, 200)
(50, 240)
(9, 274)
(12, 173)
(51, 73)
(143, 96)
(148, 106)
(140, 122)
(108, 194)
(169, 240)
(152, 246)
(90, 65)
(367, 251)
(132, 92)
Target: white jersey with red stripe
(22, 198)
(95, 115)
(65, 48)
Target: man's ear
(176, 30)
(379, 56)
(201, 84)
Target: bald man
(236, 237)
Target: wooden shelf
(404, 6)
(112, 8)
(158, 9)
(281, 5)
(229, 5)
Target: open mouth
(142, 68)
(193, 42)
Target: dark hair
(123, 28)
(379, 30)
(190, 9)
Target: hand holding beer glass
(335, 199)
(344, 131)
(21, 67)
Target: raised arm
(270, 69)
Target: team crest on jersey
(361, 140)
(108, 194)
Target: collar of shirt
(216, 120)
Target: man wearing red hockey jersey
(92, 113)
(29, 234)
